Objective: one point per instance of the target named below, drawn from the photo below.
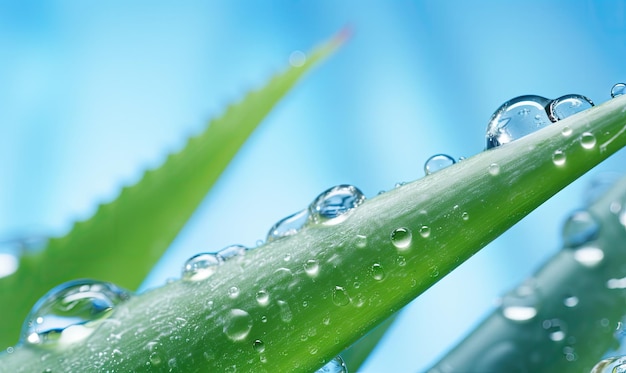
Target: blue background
(92, 94)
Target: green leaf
(579, 297)
(125, 238)
(201, 326)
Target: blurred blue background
(92, 94)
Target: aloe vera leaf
(200, 326)
(125, 238)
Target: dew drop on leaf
(618, 90)
(401, 238)
(588, 140)
(589, 255)
(377, 272)
(570, 301)
(288, 226)
(332, 205)
(558, 158)
(437, 162)
(336, 365)
(262, 297)
(494, 169)
(68, 312)
(521, 304)
(340, 296)
(568, 105)
(231, 252)
(258, 346)
(425, 231)
(237, 324)
(200, 267)
(311, 267)
(556, 329)
(580, 227)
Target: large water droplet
(67, 312)
(558, 158)
(288, 226)
(377, 272)
(200, 267)
(312, 267)
(332, 205)
(340, 296)
(401, 238)
(580, 227)
(588, 140)
(618, 90)
(230, 252)
(521, 304)
(568, 105)
(516, 118)
(237, 324)
(336, 365)
(437, 162)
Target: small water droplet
(401, 238)
(230, 252)
(333, 205)
(233, 292)
(516, 118)
(589, 255)
(568, 105)
(588, 140)
(618, 90)
(288, 226)
(570, 301)
(258, 346)
(558, 158)
(264, 319)
(425, 231)
(340, 296)
(566, 131)
(336, 365)
(312, 267)
(360, 241)
(556, 329)
(237, 324)
(200, 267)
(521, 304)
(284, 311)
(580, 227)
(68, 312)
(437, 162)
(401, 260)
(155, 359)
(494, 169)
(377, 272)
(262, 297)
(465, 215)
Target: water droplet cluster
(68, 312)
(524, 115)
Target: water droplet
(465, 216)
(558, 158)
(580, 227)
(155, 359)
(68, 312)
(200, 267)
(230, 252)
(516, 118)
(437, 162)
(288, 226)
(233, 292)
(336, 365)
(312, 267)
(568, 105)
(556, 329)
(333, 205)
(521, 303)
(425, 231)
(589, 255)
(616, 364)
(618, 90)
(377, 272)
(401, 261)
(494, 169)
(401, 238)
(360, 241)
(566, 131)
(285, 311)
(588, 140)
(237, 325)
(262, 297)
(258, 346)
(340, 296)
(570, 301)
